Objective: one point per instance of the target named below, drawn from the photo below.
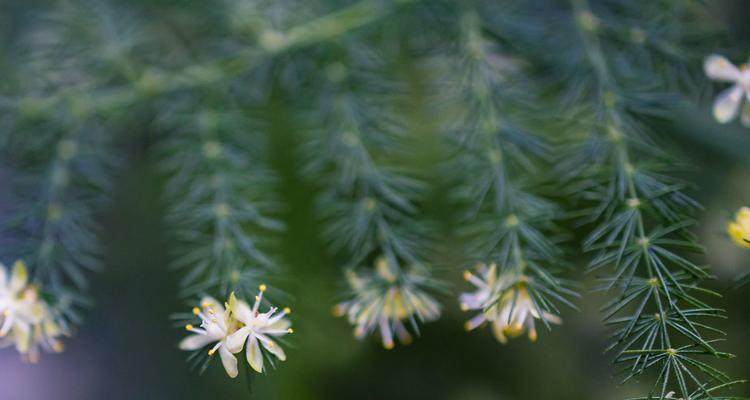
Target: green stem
(157, 83)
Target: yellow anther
(58, 347)
(468, 326)
(262, 288)
(188, 327)
(196, 310)
(388, 345)
(205, 304)
(270, 343)
(464, 307)
(290, 330)
(287, 310)
(211, 352)
(467, 275)
(214, 320)
(211, 311)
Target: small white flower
(258, 330)
(17, 301)
(505, 303)
(44, 335)
(216, 325)
(728, 103)
(27, 321)
(383, 300)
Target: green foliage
(546, 118)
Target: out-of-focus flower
(384, 299)
(728, 103)
(45, 335)
(739, 228)
(216, 325)
(28, 323)
(258, 330)
(505, 303)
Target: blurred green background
(127, 349)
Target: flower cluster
(385, 299)
(229, 328)
(739, 228)
(728, 103)
(26, 320)
(504, 302)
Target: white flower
(216, 325)
(27, 321)
(485, 284)
(385, 299)
(728, 103)
(505, 303)
(44, 335)
(258, 330)
(18, 305)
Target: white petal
(497, 328)
(727, 104)
(720, 69)
(236, 340)
(552, 318)
(214, 305)
(229, 361)
(243, 312)
(195, 342)
(19, 276)
(275, 349)
(254, 355)
(282, 324)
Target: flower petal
(727, 104)
(254, 355)
(242, 312)
(19, 276)
(498, 326)
(195, 342)
(229, 361)
(720, 69)
(274, 349)
(236, 340)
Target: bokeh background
(127, 348)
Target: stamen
(196, 311)
(287, 310)
(262, 287)
(189, 327)
(290, 330)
